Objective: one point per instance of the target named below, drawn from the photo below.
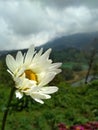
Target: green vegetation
(70, 105)
(69, 55)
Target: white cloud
(24, 23)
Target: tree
(77, 67)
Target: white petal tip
(18, 94)
(39, 101)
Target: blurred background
(70, 28)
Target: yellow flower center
(31, 75)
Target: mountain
(79, 41)
(12, 52)
(94, 44)
(84, 41)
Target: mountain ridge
(79, 41)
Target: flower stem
(7, 108)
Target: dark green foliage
(68, 74)
(69, 54)
(95, 69)
(77, 67)
(5, 77)
(70, 105)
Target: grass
(78, 76)
(70, 105)
(71, 64)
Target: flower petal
(40, 95)
(29, 55)
(11, 63)
(46, 78)
(18, 94)
(55, 65)
(45, 56)
(19, 58)
(37, 55)
(49, 90)
(38, 100)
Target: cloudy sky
(26, 22)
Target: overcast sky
(26, 22)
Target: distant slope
(94, 44)
(85, 41)
(78, 41)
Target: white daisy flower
(32, 72)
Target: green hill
(79, 41)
